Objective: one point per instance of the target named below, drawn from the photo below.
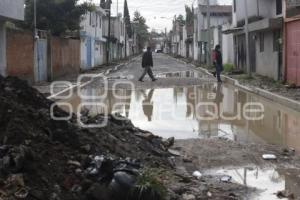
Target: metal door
(41, 60)
(293, 52)
(89, 53)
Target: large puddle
(182, 112)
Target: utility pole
(247, 39)
(108, 35)
(208, 35)
(117, 7)
(125, 32)
(34, 20)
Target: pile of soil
(41, 158)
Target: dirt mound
(41, 158)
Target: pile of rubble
(41, 158)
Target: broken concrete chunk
(269, 157)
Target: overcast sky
(158, 13)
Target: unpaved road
(251, 177)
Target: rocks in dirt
(197, 174)
(168, 142)
(188, 197)
(87, 148)
(288, 152)
(226, 179)
(14, 186)
(285, 194)
(13, 159)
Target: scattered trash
(174, 152)
(197, 174)
(269, 157)
(22, 193)
(226, 179)
(209, 194)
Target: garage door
(293, 52)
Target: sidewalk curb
(107, 72)
(290, 103)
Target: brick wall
(20, 54)
(65, 57)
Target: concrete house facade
(117, 44)
(219, 15)
(9, 10)
(265, 36)
(176, 38)
(93, 41)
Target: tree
(56, 16)
(103, 4)
(141, 29)
(189, 16)
(127, 19)
(181, 20)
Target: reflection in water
(176, 112)
(148, 104)
(268, 181)
(182, 74)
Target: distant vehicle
(158, 51)
(145, 50)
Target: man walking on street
(147, 64)
(218, 62)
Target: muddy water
(267, 181)
(181, 112)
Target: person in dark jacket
(147, 64)
(218, 62)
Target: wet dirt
(44, 158)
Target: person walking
(218, 62)
(147, 64)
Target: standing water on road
(178, 112)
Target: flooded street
(177, 112)
(191, 107)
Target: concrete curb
(290, 103)
(107, 72)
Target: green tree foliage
(181, 20)
(56, 16)
(189, 16)
(141, 29)
(127, 19)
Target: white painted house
(9, 10)
(265, 36)
(219, 15)
(93, 41)
(117, 45)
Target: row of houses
(274, 32)
(45, 57)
